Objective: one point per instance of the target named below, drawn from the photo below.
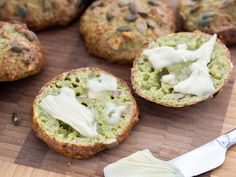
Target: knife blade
(206, 157)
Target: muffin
(181, 69)
(211, 17)
(117, 30)
(84, 111)
(42, 14)
(21, 54)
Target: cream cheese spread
(68, 109)
(199, 82)
(113, 112)
(141, 164)
(169, 79)
(103, 83)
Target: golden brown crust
(139, 92)
(22, 54)
(103, 39)
(79, 151)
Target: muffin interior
(78, 82)
(148, 80)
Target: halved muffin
(181, 69)
(84, 111)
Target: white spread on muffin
(199, 82)
(169, 79)
(103, 83)
(69, 110)
(113, 112)
(141, 164)
(182, 46)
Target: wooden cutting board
(167, 132)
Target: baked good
(42, 14)
(181, 69)
(117, 30)
(21, 54)
(99, 107)
(211, 17)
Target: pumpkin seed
(208, 14)
(109, 16)
(130, 17)
(31, 36)
(96, 4)
(151, 23)
(123, 28)
(15, 119)
(22, 11)
(17, 47)
(194, 8)
(123, 3)
(204, 21)
(154, 2)
(141, 25)
(133, 7)
(206, 18)
(142, 12)
(2, 2)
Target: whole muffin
(84, 111)
(21, 54)
(211, 16)
(41, 14)
(117, 30)
(181, 69)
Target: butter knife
(206, 157)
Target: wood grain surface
(167, 132)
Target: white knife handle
(228, 140)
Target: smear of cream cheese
(182, 46)
(114, 112)
(169, 79)
(68, 109)
(103, 83)
(199, 82)
(141, 164)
